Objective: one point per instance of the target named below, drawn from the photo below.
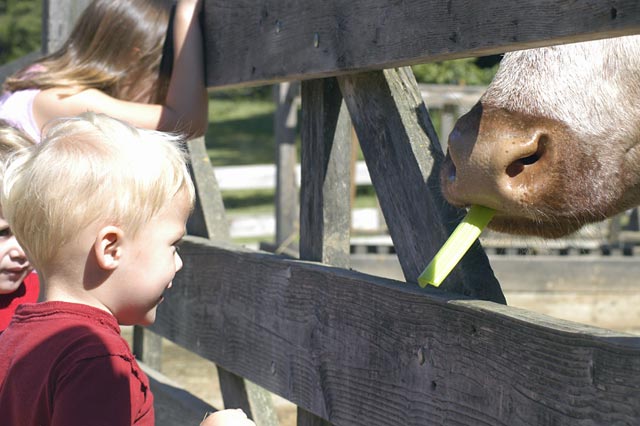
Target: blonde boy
(99, 207)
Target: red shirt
(65, 364)
(27, 293)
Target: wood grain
(264, 41)
(325, 208)
(361, 350)
(209, 217)
(287, 204)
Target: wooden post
(325, 216)
(58, 19)
(255, 401)
(403, 154)
(286, 200)
(147, 347)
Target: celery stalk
(456, 246)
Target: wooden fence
(354, 349)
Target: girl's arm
(186, 107)
(187, 95)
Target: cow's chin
(557, 228)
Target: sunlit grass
(240, 132)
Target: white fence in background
(262, 176)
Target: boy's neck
(61, 293)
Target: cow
(554, 142)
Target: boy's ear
(108, 247)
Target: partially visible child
(18, 283)
(136, 60)
(99, 207)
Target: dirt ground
(200, 377)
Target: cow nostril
(530, 159)
(519, 165)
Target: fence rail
(363, 350)
(281, 40)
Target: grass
(240, 132)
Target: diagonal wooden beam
(402, 152)
(208, 218)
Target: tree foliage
(20, 28)
(469, 71)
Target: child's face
(14, 265)
(150, 263)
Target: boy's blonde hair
(12, 140)
(90, 169)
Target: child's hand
(232, 417)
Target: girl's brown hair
(121, 47)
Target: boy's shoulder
(67, 336)
(76, 353)
(71, 329)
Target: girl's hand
(231, 417)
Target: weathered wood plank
(208, 218)
(403, 154)
(362, 350)
(325, 212)
(305, 418)
(147, 347)
(257, 42)
(252, 399)
(285, 119)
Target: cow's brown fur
(553, 143)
